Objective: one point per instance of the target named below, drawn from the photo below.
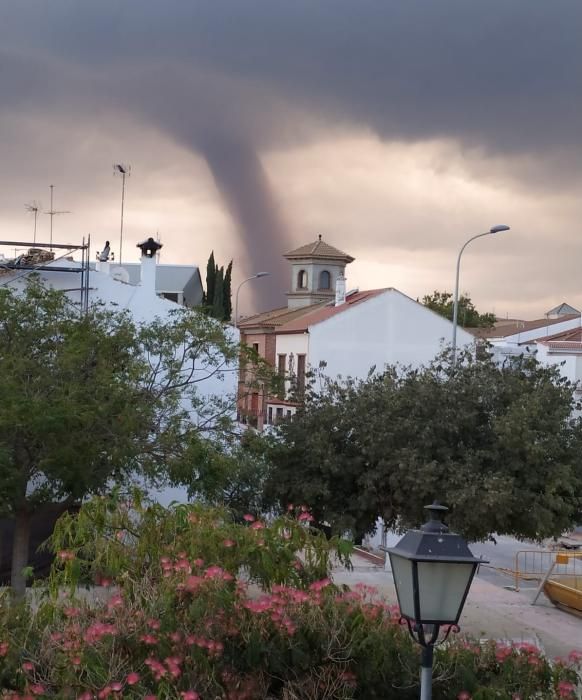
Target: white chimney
(102, 266)
(148, 249)
(340, 290)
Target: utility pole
(51, 213)
(123, 170)
(33, 209)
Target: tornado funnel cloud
(243, 183)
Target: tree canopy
(496, 445)
(468, 316)
(88, 400)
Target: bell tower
(315, 269)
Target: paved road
(501, 556)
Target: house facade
(345, 334)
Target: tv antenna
(52, 213)
(125, 171)
(34, 207)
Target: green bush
(192, 605)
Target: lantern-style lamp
(433, 570)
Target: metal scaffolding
(20, 264)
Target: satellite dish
(120, 274)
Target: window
(288, 413)
(302, 279)
(324, 280)
(279, 414)
(270, 416)
(170, 296)
(301, 373)
(281, 361)
(256, 348)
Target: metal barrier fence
(534, 564)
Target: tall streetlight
(248, 279)
(124, 171)
(494, 229)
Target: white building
(108, 284)
(350, 333)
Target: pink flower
(3, 648)
(190, 695)
(117, 687)
(228, 543)
(132, 678)
(28, 666)
(258, 525)
(248, 517)
(464, 695)
(65, 555)
(290, 507)
(37, 689)
(85, 696)
(566, 689)
(320, 585)
(306, 517)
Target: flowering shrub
(189, 621)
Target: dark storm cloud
(232, 78)
(505, 75)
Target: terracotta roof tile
(318, 249)
(503, 329)
(563, 340)
(277, 317)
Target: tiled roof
(503, 329)
(567, 340)
(277, 317)
(318, 249)
(300, 325)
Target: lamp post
(124, 171)
(248, 279)
(433, 570)
(493, 229)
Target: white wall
(387, 329)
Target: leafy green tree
(497, 445)
(468, 316)
(90, 400)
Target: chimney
(148, 249)
(340, 291)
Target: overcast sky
(396, 129)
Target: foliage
(218, 296)
(468, 316)
(177, 618)
(89, 399)
(496, 444)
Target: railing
(534, 564)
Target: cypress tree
(218, 304)
(210, 280)
(227, 292)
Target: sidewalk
(490, 612)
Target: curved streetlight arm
(493, 230)
(248, 279)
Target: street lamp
(433, 570)
(494, 229)
(248, 279)
(124, 171)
